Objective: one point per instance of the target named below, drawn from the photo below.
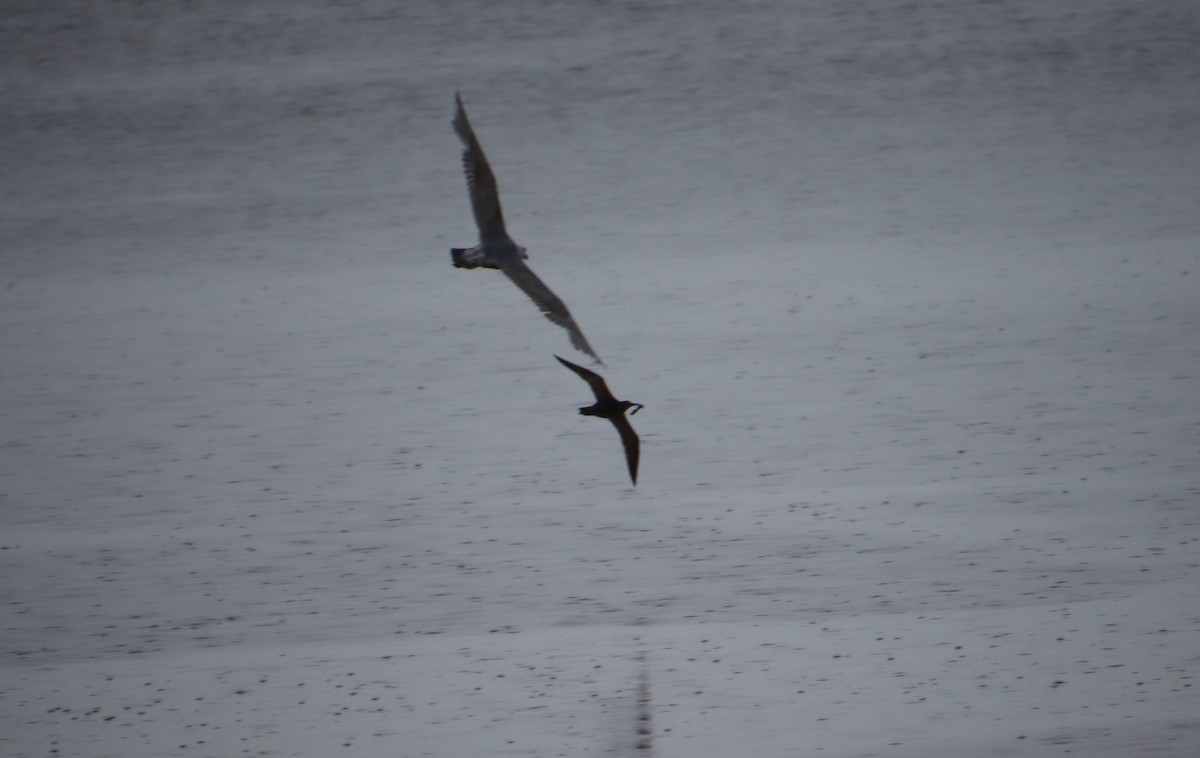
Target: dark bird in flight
(496, 249)
(607, 406)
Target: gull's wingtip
(580, 343)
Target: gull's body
(496, 249)
(609, 407)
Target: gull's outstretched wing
(629, 439)
(481, 182)
(548, 302)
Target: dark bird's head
(626, 405)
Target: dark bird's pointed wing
(599, 387)
(629, 439)
(548, 302)
(481, 182)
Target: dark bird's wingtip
(568, 364)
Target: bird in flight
(607, 406)
(496, 249)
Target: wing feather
(597, 383)
(481, 182)
(549, 303)
(629, 440)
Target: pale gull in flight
(496, 249)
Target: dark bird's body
(496, 249)
(609, 407)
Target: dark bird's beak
(634, 410)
